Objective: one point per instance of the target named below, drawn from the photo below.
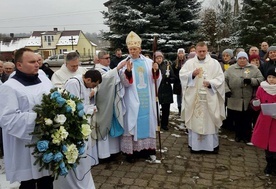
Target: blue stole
(142, 87)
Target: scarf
(270, 89)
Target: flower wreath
(62, 129)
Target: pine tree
(175, 22)
(209, 28)
(257, 22)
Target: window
(84, 53)
(52, 38)
(45, 38)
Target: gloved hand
(256, 102)
(228, 94)
(247, 81)
(274, 116)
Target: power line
(51, 25)
(49, 15)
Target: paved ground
(236, 166)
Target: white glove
(256, 103)
(274, 116)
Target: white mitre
(133, 40)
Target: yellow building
(49, 43)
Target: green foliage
(57, 132)
(257, 22)
(175, 22)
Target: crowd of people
(127, 96)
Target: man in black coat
(118, 58)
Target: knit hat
(242, 54)
(271, 48)
(228, 51)
(271, 71)
(158, 53)
(254, 56)
(181, 50)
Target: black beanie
(271, 71)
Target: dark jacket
(165, 93)
(265, 66)
(4, 77)
(47, 71)
(176, 68)
(115, 61)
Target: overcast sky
(25, 16)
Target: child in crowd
(264, 133)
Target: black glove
(247, 81)
(228, 94)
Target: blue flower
(64, 148)
(58, 156)
(80, 106)
(81, 113)
(60, 101)
(82, 150)
(68, 109)
(71, 96)
(42, 145)
(55, 95)
(62, 165)
(63, 171)
(48, 157)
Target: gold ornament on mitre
(133, 40)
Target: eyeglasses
(106, 58)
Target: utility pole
(72, 40)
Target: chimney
(55, 29)
(12, 35)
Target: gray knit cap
(271, 48)
(228, 51)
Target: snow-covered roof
(93, 44)
(13, 45)
(66, 40)
(34, 41)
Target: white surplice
(80, 177)
(132, 102)
(63, 74)
(202, 118)
(17, 120)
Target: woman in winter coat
(270, 60)
(165, 93)
(264, 133)
(177, 65)
(240, 79)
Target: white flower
(60, 118)
(48, 121)
(59, 135)
(56, 138)
(72, 104)
(85, 130)
(63, 133)
(72, 153)
(60, 90)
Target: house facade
(54, 42)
